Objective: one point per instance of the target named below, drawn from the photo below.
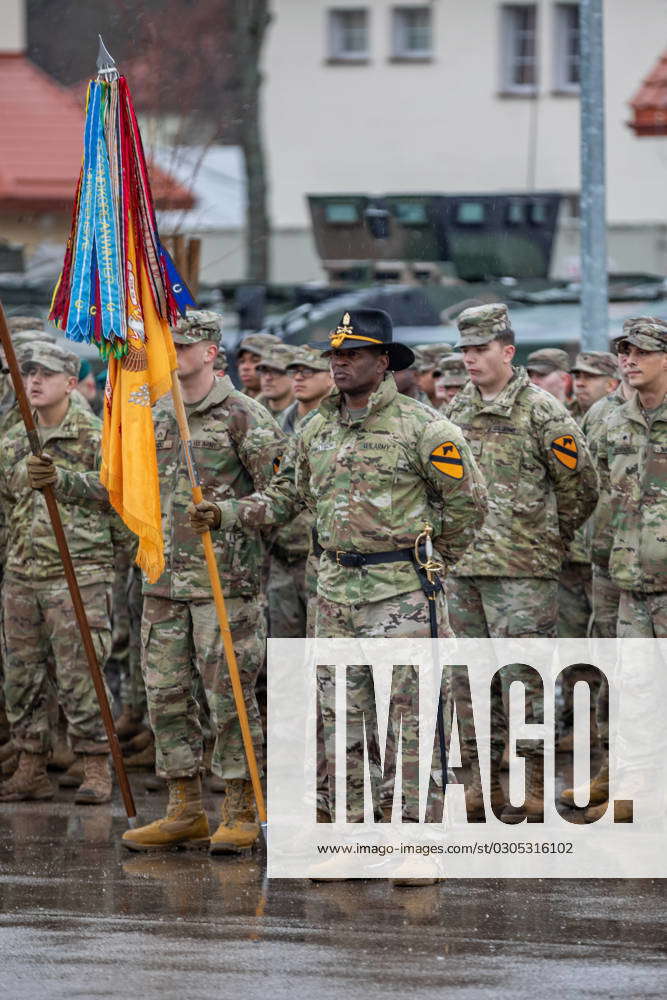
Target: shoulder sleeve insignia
(276, 464)
(565, 450)
(446, 458)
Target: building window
(566, 41)
(412, 35)
(470, 213)
(519, 48)
(410, 213)
(339, 213)
(348, 34)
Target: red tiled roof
(41, 129)
(650, 102)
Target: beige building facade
(447, 96)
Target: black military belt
(352, 560)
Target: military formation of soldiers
(542, 490)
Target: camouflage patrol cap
(276, 357)
(308, 357)
(198, 325)
(419, 360)
(255, 343)
(597, 363)
(432, 356)
(17, 324)
(453, 370)
(50, 356)
(646, 332)
(547, 360)
(25, 337)
(221, 362)
(481, 324)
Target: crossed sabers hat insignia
(345, 331)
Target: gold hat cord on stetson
(344, 332)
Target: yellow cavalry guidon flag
(446, 458)
(565, 450)
(134, 382)
(119, 289)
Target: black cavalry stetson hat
(368, 328)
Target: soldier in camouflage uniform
(550, 369)
(37, 608)
(372, 466)
(595, 375)
(542, 486)
(287, 591)
(449, 377)
(631, 453)
(605, 593)
(276, 385)
(235, 444)
(24, 331)
(407, 380)
(430, 358)
(632, 460)
(248, 356)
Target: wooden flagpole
(223, 620)
(70, 576)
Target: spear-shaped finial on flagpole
(106, 65)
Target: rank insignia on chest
(565, 450)
(446, 458)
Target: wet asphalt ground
(82, 917)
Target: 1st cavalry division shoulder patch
(565, 450)
(276, 464)
(446, 458)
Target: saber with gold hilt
(428, 569)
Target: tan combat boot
(622, 812)
(30, 780)
(97, 781)
(475, 810)
(138, 743)
(533, 808)
(73, 776)
(7, 751)
(239, 828)
(9, 761)
(129, 723)
(62, 756)
(144, 757)
(5, 732)
(185, 824)
(597, 792)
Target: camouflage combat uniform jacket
(371, 483)
(541, 479)
(291, 542)
(598, 527)
(31, 552)
(235, 446)
(7, 397)
(632, 461)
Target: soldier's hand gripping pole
(70, 576)
(427, 570)
(221, 610)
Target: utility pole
(594, 299)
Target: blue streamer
(79, 316)
(179, 289)
(106, 244)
